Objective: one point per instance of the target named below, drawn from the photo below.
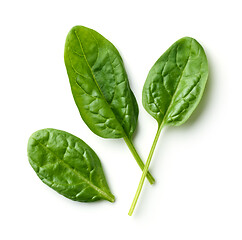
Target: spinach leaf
(173, 89)
(100, 87)
(68, 165)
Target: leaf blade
(99, 84)
(176, 82)
(68, 165)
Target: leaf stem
(138, 159)
(145, 171)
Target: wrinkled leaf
(99, 84)
(173, 89)
(176, 82)
(68, 165)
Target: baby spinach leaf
(173, 89)
(68, 165)
(100, 86)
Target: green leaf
(176, 82)
(173, 89)
(68, 165)
(99, 84)
(100, 87)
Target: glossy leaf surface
(176, 82)
(68, 165)
(99, 84)
(172, 90)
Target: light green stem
(147, 164)
(138, 159)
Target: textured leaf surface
(68, 165)
(176, 82)
(99, 84)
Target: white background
(197, 166)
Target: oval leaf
(176, 82)
(68, 165)
(99, 84)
